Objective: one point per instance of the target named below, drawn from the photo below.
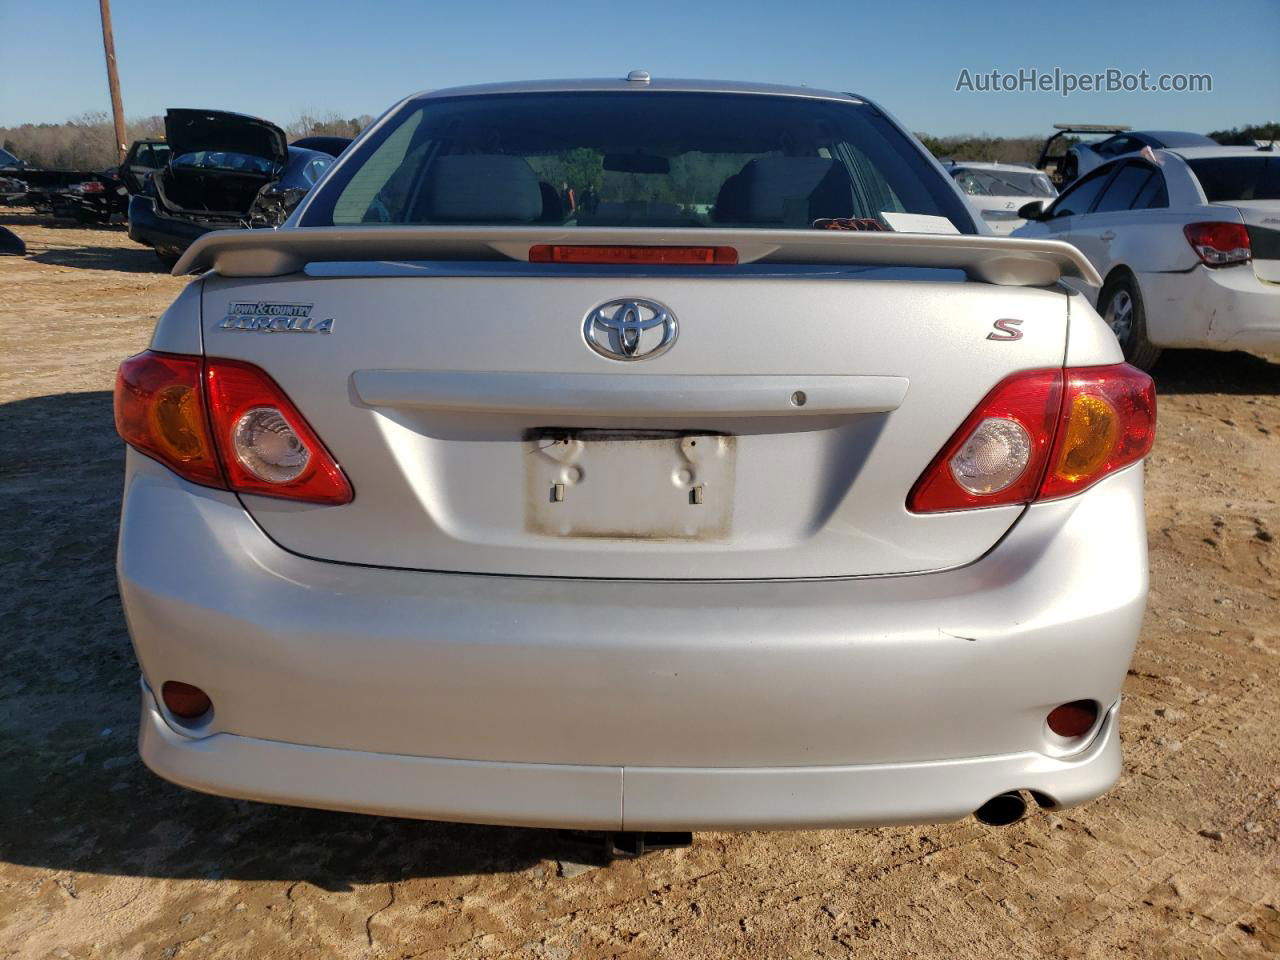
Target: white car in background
(1083, 157)
(996, 191)
(1187, 242)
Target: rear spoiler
(1006, 261)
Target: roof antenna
(638, 76)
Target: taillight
(999, 453)
(1041, 435)
(641, 255)
(1108, 422)
(265, 445)
(226, 424)
(1219, 244)
(160, 410)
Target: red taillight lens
(1219, 244)
(1041, 435)
(93, 186)
(998, 455)
(160, 410)
(700, 256)
(266, 446)
(226, 424)
(1108, 422)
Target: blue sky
(358, 56)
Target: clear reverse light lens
(993, 457)
(267, 446)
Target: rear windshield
(635, 159)
(1230, 179)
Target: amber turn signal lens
(177, 422)
(1092, 430)
(1073, 719)
(1108, 422)
(185, 700)
(160, 411)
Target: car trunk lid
(778, 436)
(189, 131)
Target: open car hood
(190, 130)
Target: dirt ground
(99, 858)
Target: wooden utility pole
(113, 79)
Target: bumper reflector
(1073, 719)
(184, 700)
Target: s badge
(1006, 330)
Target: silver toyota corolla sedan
(635, 455)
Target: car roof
(619, 84)
(299, 153)
(1174, 138)
(1197, 153)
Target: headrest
(789, 190)
(486, 188)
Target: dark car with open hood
(225, 171)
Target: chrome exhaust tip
(1002, 810)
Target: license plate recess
(629, 484)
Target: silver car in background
(635, 455)
(997, 191)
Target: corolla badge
(630, 329)
(263, 317)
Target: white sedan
(996, 191)
(1188, 244)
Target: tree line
(86, 143)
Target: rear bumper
(594, 797)
(1227, 308)
(168, 235)
(533, 701)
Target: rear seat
(787, 191)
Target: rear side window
(1079, 197)
(1123, 190)
(635, 159)
(1232, 179)
(313, 169)
(1154, 194)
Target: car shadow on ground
(122, 259)
(75, 795)
(33, 218)
(1209, 371)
